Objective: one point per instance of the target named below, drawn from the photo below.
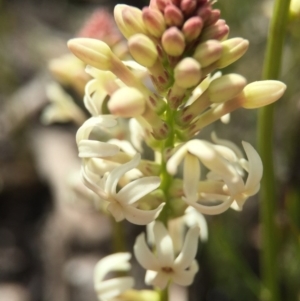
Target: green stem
(271, 70)
(164, 294)
(119, 244)
(166, 178)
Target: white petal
(109, 289)
(186, 277)
(189, 249)
(89, 183)
(228, 144)
(176, 159)
(113, 262)
(191, 175)
(192, 217)
(160, 280)
(164, 245)
(208, 155)
(141, 217)
(143, 255)
(117, 173)
(96, 149)
(255, 166)
(103, 122)
(124, 145)
(116, 210)
(135, 190)
(210, 210)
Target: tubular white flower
(163, 267)
(122, 204)
(97, 89)
(110, 289)
(94, 148)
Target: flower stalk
(271, 70)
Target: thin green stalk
(119, 244)
(271, 70)
(164, 294)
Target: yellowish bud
(127, 102)
(208, 52)
(226, 87)
(233, 49)
(142, 49)
(154, 21)
(173, 41)
(92, 52)
(129, 20)
(143, 295)
(262, 93)
(187, 73)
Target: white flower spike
(164, 267)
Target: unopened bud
(262, 93)
(127, 102)
(233, 49)
(154, 22)
(187, 73)
(129, 20)
(161, 4)
(208, 52)
(92, 52)
(294, 9)
(217, 31)
(188, 6)
(173, 41)
(192, 28)
(214, 17)
(142, 50)
(226, 87)
(173, 15)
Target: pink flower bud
(173, 41)
(217, 31)
(161, 4)
(192, 28)
(188, 6)
(173, 15)
(154, 22)
(214, 17)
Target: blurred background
(50, 238)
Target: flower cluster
(169, 90)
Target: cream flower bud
(262, 93)
(154, 22)
(91, 51)
(192, 28)
(226, 87)
(127, 102)
(173, 15)
(187, 73)
(129, 20)
(173, 41)
(142, 50)
(208, 52)
(233, 49)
